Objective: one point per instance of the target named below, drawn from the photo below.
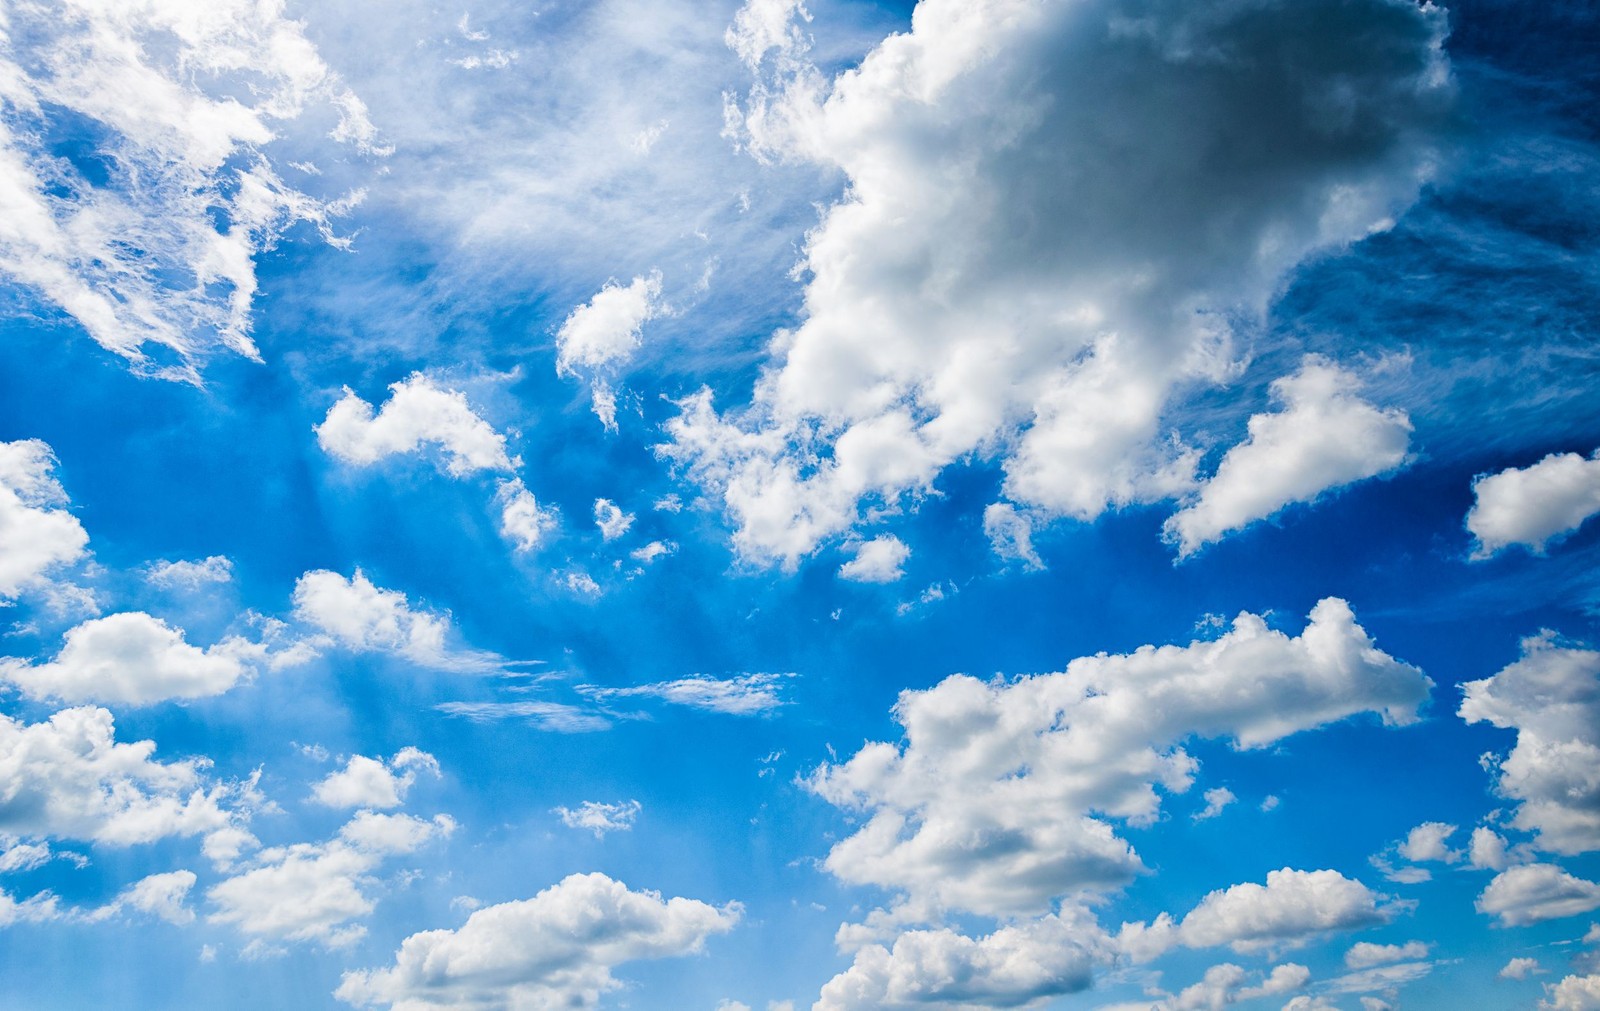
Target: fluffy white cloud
(743, 695)
(186, 102)
(372, 782)
(523, 521)
(36, 531)
(557, 949)
(1487, 850)
(133, 659)
(1429, 842)
(1573, 993)
(1010, 534)
(600, 336)
(1533, 893)
(161, 895)
(1225, 984)
(69, 777)
(1322, 437)
(1534, 505)
(1365, 954)
(357, 615)
(312, 891)
(36, 909)
(1216, 801)
(610, 518)
(1519, 968)
(190, 575)
(594, 816)
(994, 282)
(999, 798)
(417, 413)
(877, 561)
(1014, 966)
(1551, 697)
(1288, 911)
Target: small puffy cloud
(1002, 793)
(418, 413)
(557, 949)
(1573, 993)
(37, 533)
(1289, 910)
(1322, 437)
(1227, 984)
(523, 521)
(1487, 850)
(1551, 697)
(1365, 954)
(40, 908)
(1014, 966)
(1534, 505)
(22, 856)
(650, 552)
(185, 575)
(372, 782)
(742, 695)
(877, 561)
(69, 777)
(604, 332)
(594, 816)
(1010, 534)
(1428, 842)
(1216, 801)
(610, 518)
(313, 891)
(582, 582)
(357, 615)
(1520, 968)
(1534, 893)
(129, 658)
(165, 896)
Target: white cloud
(1534, 893)
(1487, 850)
(1225, 984)
(188, 103)
(610, 518)
(1323, 437)
(313, 891)
(741, 695)
(557, 949)
(187, 575)
(555, 716)
(133, 659)
(1573, 993)
(22, 856)
(650, 552)
(1014, 966)
(1010, 534)
(600, 336)
(594, 816)
(582, 582)
(523, 521)
(68, 777)
(1551, 697)
(1429, 842)
(357, 615)
(993, 284)
(165, 896)
(1520, 968)
(1216, 801)
(372, 782)
(1000, 796)
(877, 561)
(1365, 954)
(417, 413)
(37, 533)
(1534, 505)
(39, 908)
(1291, 909)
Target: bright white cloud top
(36, 531)
(1534, 505)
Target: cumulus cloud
(1429, 842)
(372, 782)
(1519, 968)
(1551, 697)
(133, 659)
(1010, 534)
(610, 518)
(187, 575)
(165, 896)
(600, 336)
(1000, 796)
(313, 891)
(357, 615)
(1365, 954)
(1573, 993)
(1014, 966)
(1322, 437)
(1533, 893)
(742, 695)
(1226, 984)
(594, 816)
(557, 949)
(877, 561)
(993, 283)
(152, 242)
(1216, 800)
(417, 413)
(37, 533)
(523, 521)
(1534, 505)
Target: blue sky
(1078, 505)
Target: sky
(1071, 504)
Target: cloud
(1323, 437)
(417, 413)
(37, 534)
(132, 659)
(372, 782)
(1037, 247)
(557, 949)
(164, 896)
(1225, 984)
(1520, 968)
(1573, 993)
(523, 521)
(187, 575)
(1014, 966)
(152, 240)
(555, 716)
(1001, 795)
(610, 518)
(1534, 505)
(68, 777)
(600, 336)
(1427, 842)
(1365, 954)
(1487, 850)
(357, 615)
(1291, 909)
(1551, 697)
(593, 816)
(742, 695)
(1010, 535)
(312, 891)
(877, 561)
(1534, 893)
(1216, 800)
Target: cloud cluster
(357, 615)
(36, 531)
(1534, 505)
(1533, 893)
(418, 412)
(373, 783)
